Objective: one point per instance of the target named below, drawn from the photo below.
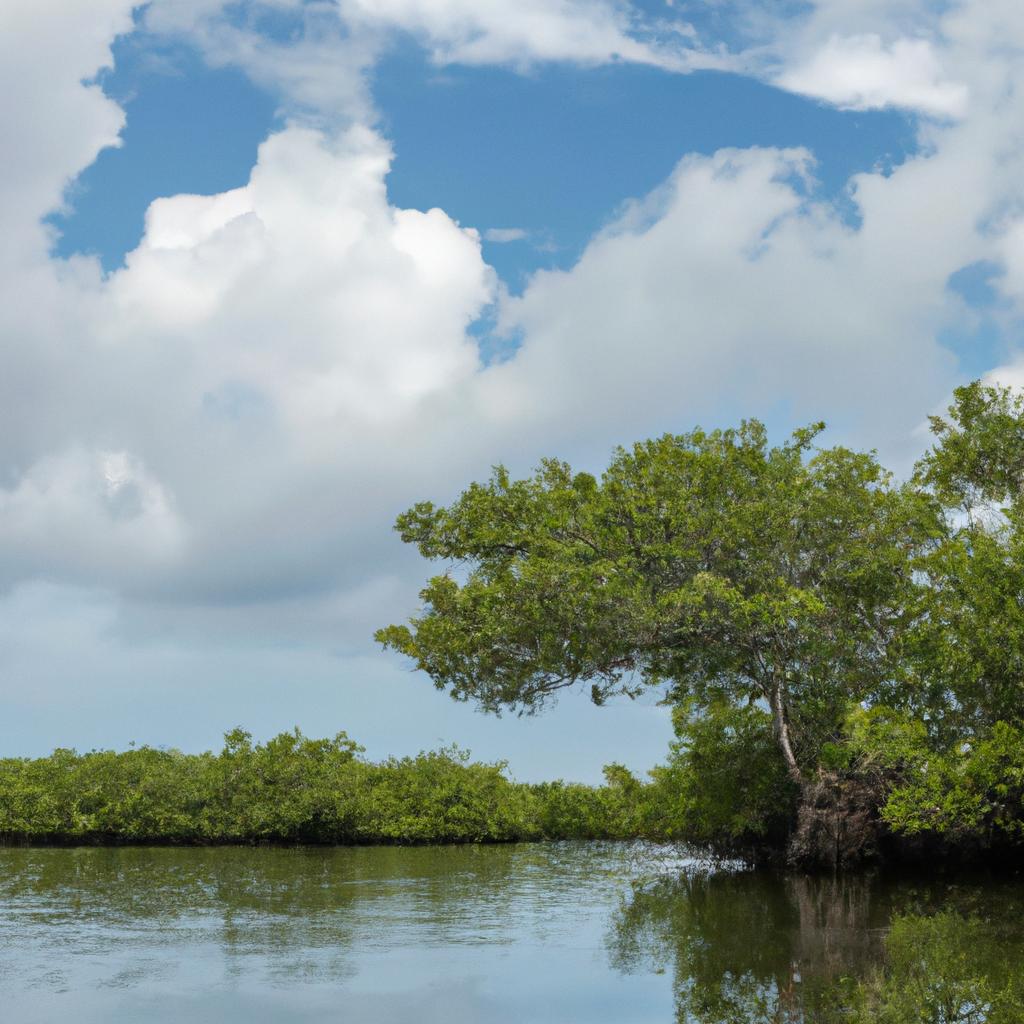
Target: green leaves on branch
(978, 459)
(724, 787)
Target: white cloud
(319, 66)
(495, 32)
(218, 436)
(1009, 375)
(82, 515)
(725, 291)
(52, 124)
(271, 357)
(1011, 250)
(863, 73)
(286, 365)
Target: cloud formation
(862, 73)
(54, 120)
(216, 438)
(318, 64)
(250, 374)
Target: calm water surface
(566, 932)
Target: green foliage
(613, 811)
(732, 569)
(964, 660)
(844, 654)
(974, 791)
(293, 789)
(978, 460)
(724, 788)
(966, 654)
(440, 797)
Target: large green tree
(709, 563)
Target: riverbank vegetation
(844, 651)
(293, 789)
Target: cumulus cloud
(257, 362)
(281, 367)
(862, 73)
(728, 288)
(383, 295)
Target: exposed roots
(838, 824)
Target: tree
(968, 646)
(716, 566)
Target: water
(566, 932)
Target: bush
(299, 790)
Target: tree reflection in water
(756, 948)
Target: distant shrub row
(295, 789)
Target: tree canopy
(802, 582)
(710, 562)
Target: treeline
(293, 789)
(721, 791)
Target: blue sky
(274, 270)
(552, 153)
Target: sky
(273, 271)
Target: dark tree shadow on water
(757, 948)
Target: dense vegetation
(295, 789)
(844, 651)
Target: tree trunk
(781, 724)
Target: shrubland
(293, 789)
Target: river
(562, 932)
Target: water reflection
(764, 949)
(353, 934)
(558, 933)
